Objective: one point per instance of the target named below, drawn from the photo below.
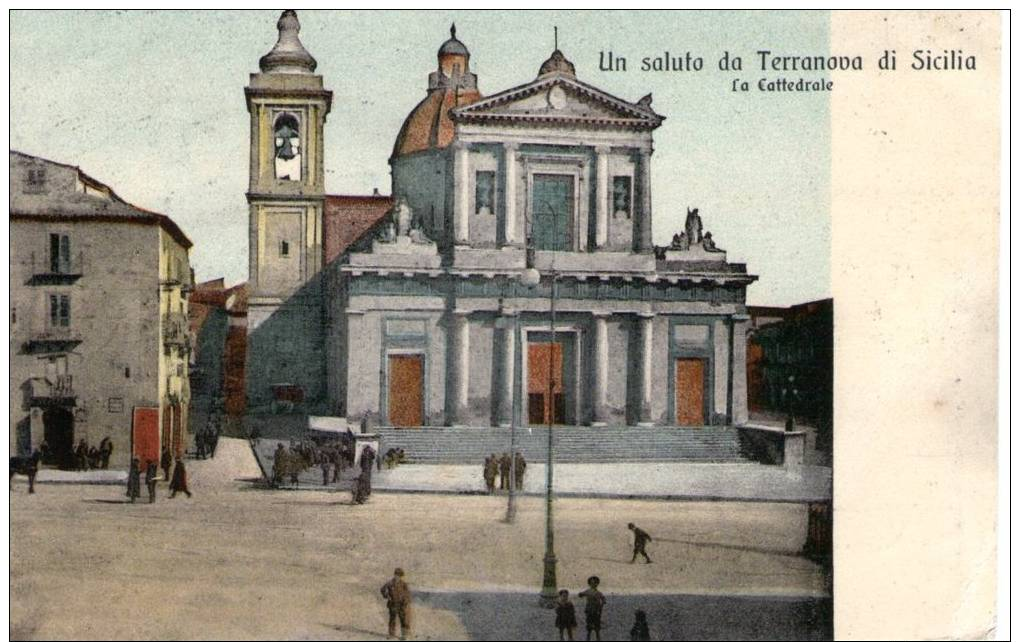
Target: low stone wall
(772, 446)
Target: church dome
(452, 84)
(557, 64)
(288, 55)
(453, 46)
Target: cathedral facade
(418, 320)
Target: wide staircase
(573, 444)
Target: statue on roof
(693, 226)
(709, 244)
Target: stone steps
(574, 444)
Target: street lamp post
(549, 585)
(530, 278)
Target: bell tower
(286, 190)
(286, 195)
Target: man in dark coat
(489, 473)
(105, 450)
(179, 481)
(165, 461)
(134, 490)
(519, 466)
(504, 472)
(398, 603)
(81, 455)
(641, 538)
(150, 480)
(366, 461)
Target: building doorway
(406, 390)
(145, 435)
(552, 203)
(552, 363)
(58, 431)
(690, 392)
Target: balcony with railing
(55, 390)
(53, 338)
(176, 331)
(56, 270)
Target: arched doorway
(58, 431)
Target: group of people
(208, 437)
(394, 457)
(332, 456)
(594, 603)
(397, 594)
(84, 456)
(178, 480)
(500, 466)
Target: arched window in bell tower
(287, 138)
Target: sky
(152, 103)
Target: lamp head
(530, 277)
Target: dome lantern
(288, 55)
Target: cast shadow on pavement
(519, 616)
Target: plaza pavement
(241, 561)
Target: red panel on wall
(145, 434)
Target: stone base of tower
(285, 368)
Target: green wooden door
(552, 203)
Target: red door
(145, 434)
(690, 392)
(545, 367)
(406, 395)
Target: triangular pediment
(559, 99)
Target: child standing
(594, 601)
(566, 618)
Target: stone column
(720, 333)
(738, 389)
(505, 392)
(602, 197)
(458, 374)
(644, 215)
(461, 193)
(645, 325)
(600, 369)
(511, 233)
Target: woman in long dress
(179, 480)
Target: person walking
(566, 617)
(504, 472)
(366, 461)
(81, 456)
(200, 445)
(150, 480)
(398, 603)
(639, 632)
(134, 481)
(105, 450)
(519, 467)
(641, 539)
(325, 465)
(179, 482)
(489, 473)
(594, 602)
(165, 461)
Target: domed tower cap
(288, 56)
(453, 47)
(557, 64)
